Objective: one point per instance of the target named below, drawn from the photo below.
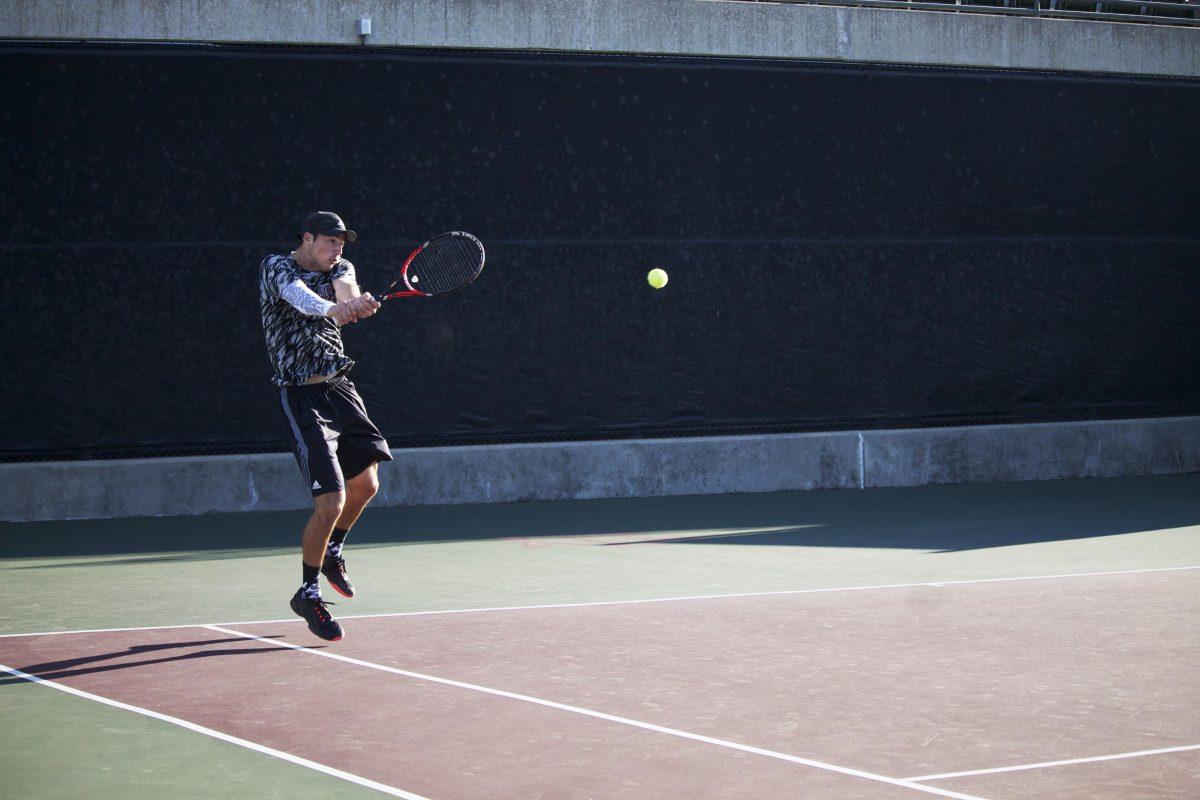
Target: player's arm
(308, 302)
(345, 289)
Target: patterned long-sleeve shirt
(301, 340)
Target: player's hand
(365, 305)
(342, 313)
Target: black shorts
(331, 435)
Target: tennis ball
(657, 278)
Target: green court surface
(231, 568)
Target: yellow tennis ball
(657, 278)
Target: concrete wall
(631, 468)
(706, 27)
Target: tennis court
(1020, 640)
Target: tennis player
(305, 297)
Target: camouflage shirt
(301, 341)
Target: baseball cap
(326, 223)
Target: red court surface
(858, 693)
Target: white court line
(782, 592)
(1062, 763)
(225, 737)
(607, 717)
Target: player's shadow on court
(128, 658)
(163, 558)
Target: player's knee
(370, 483)
(329, 505)
(364, 485)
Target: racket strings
(445, 265)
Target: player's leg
(307, 602)
(360, 449)
(359, 491)
(308, 414)
(327, 508)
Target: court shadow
(88, 665)
(936, 518)
(951, 519)
(932, 518)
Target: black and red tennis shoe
(319, 620)
(334, 569)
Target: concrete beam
(627, 468)
(688, 27)
(996, 453)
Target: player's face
(328, 249)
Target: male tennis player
(305, 296)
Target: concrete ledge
(686, 27)
(987, 454)
(434, 476)
(626, 468)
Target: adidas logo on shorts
(316, 485)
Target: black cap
(327, 223)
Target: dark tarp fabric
(848, 245)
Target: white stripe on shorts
(296, 432)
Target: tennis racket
(444, 264)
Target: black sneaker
(334, 568)
(317, 616)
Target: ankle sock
(310, 588)
(336, 540)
